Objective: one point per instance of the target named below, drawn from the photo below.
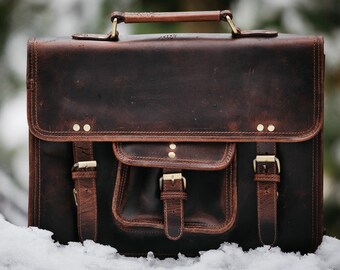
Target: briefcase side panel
(51, 201)
(33, 191)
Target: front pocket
(211, 193)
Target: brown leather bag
(177, 143)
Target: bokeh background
(22, 19)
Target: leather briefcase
(177, 142)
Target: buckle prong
(84, 165)
(267, 158)
(172, 177)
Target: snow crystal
(33, 248)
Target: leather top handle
(190, 16)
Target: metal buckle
(84, 165)
(75, 196)
(172, 177)
(267, 158)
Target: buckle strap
(172, 193)
(267, 167)
(85, 193)
(262, 177)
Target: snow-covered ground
(32, 248)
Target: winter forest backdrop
(21, 19)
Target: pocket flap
(185, 155)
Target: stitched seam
(34, 65)
(316, 187)
(122, 186)
(313, 188)
(79, 220)
(115, 199)
(274, 186)
(41, 131)
(181, 202)
(314, 75)
(225, 201)
(166, 227)
(313, 159)
(315, 194)
(39, 184)
(94, 197)
(228, 201)
(259, 212)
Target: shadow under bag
(176, 143)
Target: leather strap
(266, 178)
(172, 195)
(85, 192)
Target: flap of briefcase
(198, 88)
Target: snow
(33, 248)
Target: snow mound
(32, 248)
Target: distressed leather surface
(299, 202)
(190, 89)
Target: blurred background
(22, 19)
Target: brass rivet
(271, 128)
(260, 127)
(76, 127)
(172, 146)
(171, 154)
(87, 127)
